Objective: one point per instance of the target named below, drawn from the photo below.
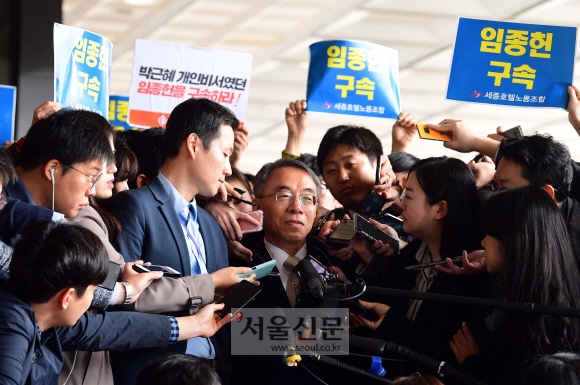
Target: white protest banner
(165, 74)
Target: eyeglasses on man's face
(92, 178)
(288, 197)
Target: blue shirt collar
(177, 200)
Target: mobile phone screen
(373, 233)
(166, 270)
(392, 221)
(112, 275)
(238, 297)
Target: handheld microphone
(311, 277)
(368, 345)
(421, 358)
(441, 366)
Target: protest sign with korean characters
(7, 113)
(514, 64)
(119, 113)
(82, 62)
(353, 78)
(165, 75)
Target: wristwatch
(128, 293)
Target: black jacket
(272, 369)
(436, 322)
(570, 210)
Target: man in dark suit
(162, 223)
(287, 191)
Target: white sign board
(165, 75)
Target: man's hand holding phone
(205, 323)
(328, 228)
(367, 249)
(384, 178)
(464, 139)
(138, 281)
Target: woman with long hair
(127, 165)
(528, 246)
(440, 210)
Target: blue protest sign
(119, 112)
(82, 61)
(353, 78)
(513, 64)
(7, 113)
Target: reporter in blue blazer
(162, 224)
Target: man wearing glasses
(60, 162)
(287, 191)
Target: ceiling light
(139, 3)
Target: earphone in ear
(51, 171)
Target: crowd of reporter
(76, 194)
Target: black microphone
(408, 353)
(311, 277)
(368, 345)
(441, 366)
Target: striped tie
(293, 284)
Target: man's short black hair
(148, 147)
(196, 116)
(54, 256)
(543, 160)
(178, 369)
(70, 136)
(355, 137)
(402, 161)
(310, 161)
